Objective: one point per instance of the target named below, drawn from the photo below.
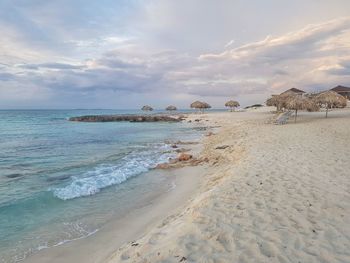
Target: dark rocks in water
(129, 118)
(180, 142)
(254, 106)
(11, 176)
(58, 178)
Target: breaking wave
(103, 176)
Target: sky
(122, 54)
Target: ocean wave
(133, 164)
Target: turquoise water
(62, 180)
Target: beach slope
(270, 194)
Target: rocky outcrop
(177, 163)
(129, 118)
(184, 157)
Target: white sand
(276, 194)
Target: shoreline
(183, 179)
(117, 232)
(252, 201)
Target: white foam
(106, 175)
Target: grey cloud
(281, 72)
(113, 62)
(340, 71)
(7, 77)
(51, 65)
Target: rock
(184, 157)
(222, 147)
(185, 143)
(58, 178)
(206, 160)
(15, 175)
(200, 128)
(197, 120)
(127, 117)
(174, 146)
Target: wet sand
(98, 247)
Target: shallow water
(62, 180)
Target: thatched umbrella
(330, 99)
(273, 101)
(297, 102)
(200, 105)
(171, 108)
(312, 105)
(147, 108)
(279, 101)
(232, 104)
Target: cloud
(340, 69)
(52, 65)
(294, 59)
(106, 57)
(299, 44)
(6, 77)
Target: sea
(61, 181)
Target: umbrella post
(296, 114)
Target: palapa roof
(232, 103)
(340, 88)
(147, 108)
(293, 90)
(331, 97)
(171, 107)
(300, 103)
(200, 105)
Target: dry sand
(273, 194)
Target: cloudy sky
(125, 53)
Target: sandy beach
(169, 131)
(269, 194)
